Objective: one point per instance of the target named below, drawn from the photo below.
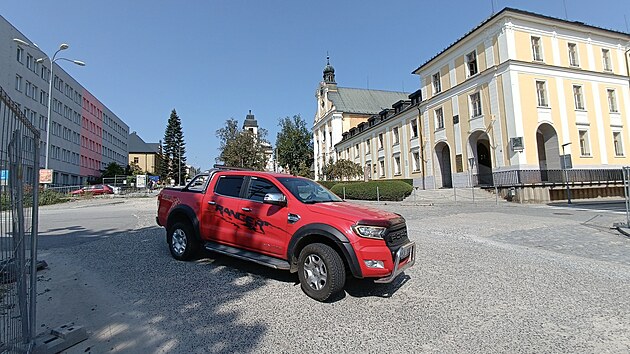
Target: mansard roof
(364, 101)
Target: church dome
(329, 69)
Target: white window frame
(396, 135)
(381, 167)
(397, 166)
(414, 131)
(367, 147)
(468, 62)
(19, 56)
(358, 150)
(541, 95)
(611, 96)
(475, 111)
(618, 143)
(439, 118)
(18, 83)
(585, 144)
(606, 62)
(381, 141)
(576, 58)
(415, 155)
(578, 103)
(436, 81)
(537, 51)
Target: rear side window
(229, 186)
(259, 187)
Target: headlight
(369, 231)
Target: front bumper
(405, 257)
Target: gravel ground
(488, 278)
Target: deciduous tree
(294, 146)
(241, 148)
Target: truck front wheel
(321, 271)
(181, 241)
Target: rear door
(220, 212)
(265, 225)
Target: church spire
(329, 72)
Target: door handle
(246, 209)
(212, 203)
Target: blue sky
(215, 60)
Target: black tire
(321, 271)
(181, 241)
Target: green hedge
(46, 197)
(394, 190)
(331, 184)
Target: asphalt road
(488, 278)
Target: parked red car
(97, 189)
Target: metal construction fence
(19, 193)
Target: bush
(49, 196)
(328, 184)
(394, 190)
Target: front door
(264, 226)
(221, 210)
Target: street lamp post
(52, 61)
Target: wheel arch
(186, 214)
(328, 235)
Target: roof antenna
(566, 15)
(626, 19)
(368, 81)
(492, 4)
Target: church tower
(251, 123)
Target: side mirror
(275, 199)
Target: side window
(259, 187)
(229, 186)
(198, 183)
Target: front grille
(396, 236)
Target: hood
(355, 213)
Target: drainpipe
(422, 168)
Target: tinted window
(229, 186)
(259, 187)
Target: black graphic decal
(250, 222)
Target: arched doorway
(548, 150)
(484, 163)
(480, 148)
(443, 157)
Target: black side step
(271, 262)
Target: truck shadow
(368, 288)
(358, 288)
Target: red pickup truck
(285, 222)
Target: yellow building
(504, 101)
(144, 155)
(338, 110)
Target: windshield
(308, 191)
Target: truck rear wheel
(321, 271)
(181, 241)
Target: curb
(624, 230)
